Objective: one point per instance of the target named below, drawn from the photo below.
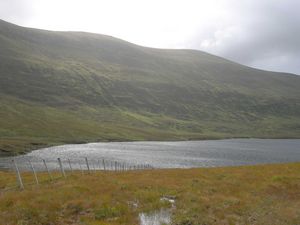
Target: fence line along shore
(64, 168)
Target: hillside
(72, 87)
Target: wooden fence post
(19, 178)
(61, 168)
(47, 169)
(99, 164)
(103, 164)
(70, 166)
(87, 164)
(34, 173)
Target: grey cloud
(16, 11)
(264, 34)
(259, 33)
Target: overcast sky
(258, 33)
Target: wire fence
(35, 172)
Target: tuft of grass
(106, 212)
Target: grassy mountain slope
(58, 87)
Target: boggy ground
(263, 194)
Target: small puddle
(158, 217)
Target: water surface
(179, 154)
(158, 217)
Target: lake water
(179, 154)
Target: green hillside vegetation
(74, 87)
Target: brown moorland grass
(262, 194)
